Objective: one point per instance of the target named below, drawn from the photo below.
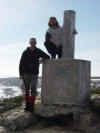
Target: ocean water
(11, 87)
(12, 91)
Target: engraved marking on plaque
(63, 71)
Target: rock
(93, 130)
(2, 130)
(52, 110)
(7, 107)
(88, 122)
(95, 102)
(18, 119)
(10, 103)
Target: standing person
(29, 70)
(53, 38)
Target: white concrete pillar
(68, 36)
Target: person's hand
(41, 60)
(75, 32)
(20, 77)
(57, 45)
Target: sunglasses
(33, 42)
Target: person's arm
(21, 65)
(43, 55)
(48, 38)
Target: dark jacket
(29, 63)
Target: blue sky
(23, 19)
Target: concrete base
(65, 81)
(51, 110)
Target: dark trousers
(52, 50)
(30, 82)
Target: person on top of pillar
(53, 38)
(29, 70)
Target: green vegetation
(95, 91)
(17, 99)
(10, 103)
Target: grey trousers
(30, 82)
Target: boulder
(95, 102)
(2, 130)
(17, 119)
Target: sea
(13, 86)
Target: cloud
(9, 59)
(17, 10)
(11, 48)
(93, 56)
(87, 48)
(87, 40)
(10, 55)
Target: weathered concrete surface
(68, 36)
(65, 81)
(89, 122)
(52, 110)
(85, 120)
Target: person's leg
(34, 81)
(51, 48)
(59, 51)
(27, 81)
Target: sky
(22, 19)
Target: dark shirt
(29, 62)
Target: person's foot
(27, 106)
(31, 109)
(53, 56)
(59, 56)
(26, 109)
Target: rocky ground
(15, 120)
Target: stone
(88, 122)
(65, 81)
(50, 110)
(18, 119)
(2, 130)
(95, 102)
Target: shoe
(53, 56)
(27, 106)
(31, 109)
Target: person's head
(53, 22)
(32, 42)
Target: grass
(10, 103)
(17, 99)
(95, 91)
